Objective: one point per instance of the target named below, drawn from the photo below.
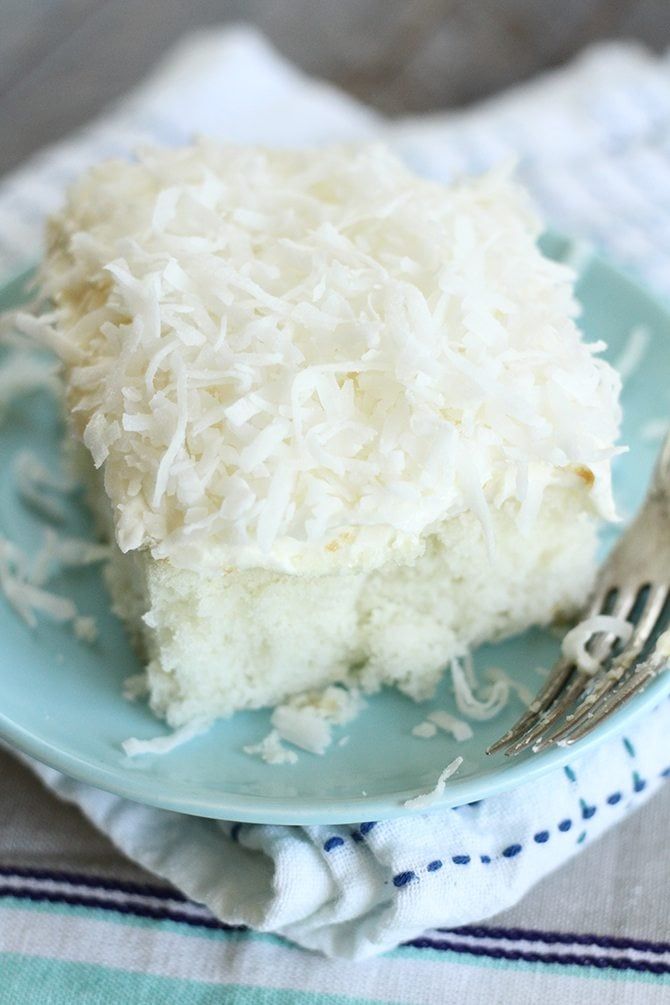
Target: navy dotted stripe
(588, 810)
(542, 837)
(403, 878)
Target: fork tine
(607, 682)
(636, 683)
(534, 736)
(573, 687)
(560, 674)
(548, 693)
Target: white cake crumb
(306, 720)
(424, 730)
(302, 727)
(135, 686)
(85, 628)
(271, 750)
(343, 740)
(335, 704)
(428, 798)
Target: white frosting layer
(306, 360)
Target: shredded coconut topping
(305, 359)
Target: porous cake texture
(344, 423)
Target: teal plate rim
(244, 807)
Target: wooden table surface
(61, 61)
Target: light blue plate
(61, 700)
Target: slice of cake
(340, 421)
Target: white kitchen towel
(593, 143)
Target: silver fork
(633, 584)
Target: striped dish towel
(84, 940)
(593, 146)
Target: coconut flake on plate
(477, 708)
(524, 694)
(134, 747)
(458, 728)
(424, 730)
(36, 484)
(633, 352)
(575, 642)
(428, 798)
(654, 430)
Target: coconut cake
(338, 422)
